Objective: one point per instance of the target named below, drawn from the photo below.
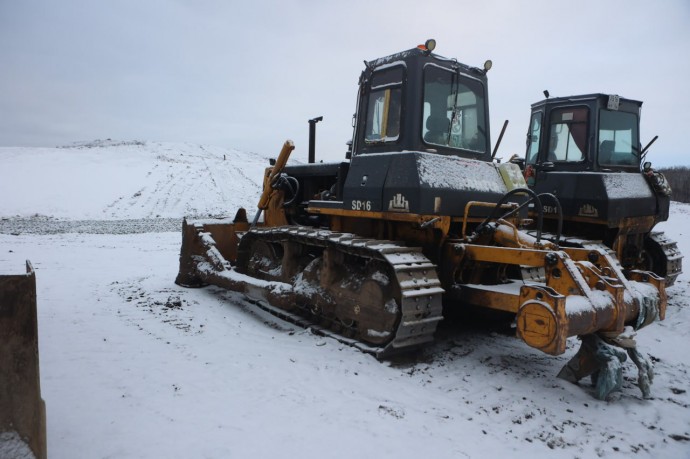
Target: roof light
(428, 46)
(487, 65)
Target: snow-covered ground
(133, 366)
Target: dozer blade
(213, 241)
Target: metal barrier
(21, 408)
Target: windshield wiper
(644, 150)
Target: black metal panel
(313, 170)
(420, 183)
(403, 189)
(365, 180)
(317, 178)
(608, 197)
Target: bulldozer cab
(418, 101)
(586, 151)
(594, 132)
(420, 118)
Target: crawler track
(380, 294)
(667, 253)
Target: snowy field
(133, 366)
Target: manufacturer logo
(588, 210)
(399, 204)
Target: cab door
(534, 135)
(559, 145)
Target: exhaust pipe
(312, 138)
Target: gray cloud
(248, 75)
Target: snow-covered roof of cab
(580, 98)
(421, 53)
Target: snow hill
(134, 366)
(128, 180)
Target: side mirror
(646, 166)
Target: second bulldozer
(419, 218)
(586, 150)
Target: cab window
(618, 139)
(454, 110)
(533, 138)
(384, 106)
(567, 135)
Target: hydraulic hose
(288, 184)
(559, 213)
(535, 198)
(559, 210)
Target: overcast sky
(249, 74)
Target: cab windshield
(454, 113)
(618, 138)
